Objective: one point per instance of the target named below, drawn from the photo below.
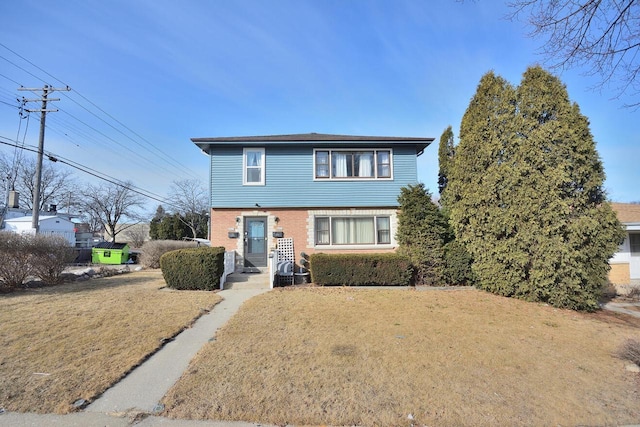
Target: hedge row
(193, 268)
(360, 269)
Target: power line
(18, 66)
(100, 175)
(10, 79)
(167, 158)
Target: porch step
(240, 280)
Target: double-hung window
(352, 230)
(353, 164)
(253, 166)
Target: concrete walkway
(136, 397)
(143, 388)
(623, 307)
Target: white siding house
(49, 225)
(625, 264)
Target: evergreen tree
(154, 225)
(422, 233)
(526, 194)
(445, 157)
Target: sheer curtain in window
(254, 166)
(365, 164)
(254, 158)
(352, 231)
(340, 165)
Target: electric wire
(100, 175)
(10, 79)
(65, 128)
(159, 152)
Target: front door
(255, 241)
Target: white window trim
(374, 178)
(244, 166)
(311, 227)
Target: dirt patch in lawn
(344, 356)
(62, 344)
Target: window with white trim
(634, 243)
(353, 164)
(353, 230)
(253, 166)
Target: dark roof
(110, 245)
(205, 143)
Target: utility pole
(46, 90)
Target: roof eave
(205, 144)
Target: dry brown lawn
(342, 356)
(65, 343)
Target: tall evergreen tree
(445, 157)
(526, 194)
(421, 234)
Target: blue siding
(289, 181)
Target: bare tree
(601, 35)
(56, 187)
(112, 204)
(189, 198)
(137, 235)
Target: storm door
(255, 241)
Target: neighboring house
(47, 225)
(110, 253)
(134, 234)
(625, 264)
(331, 193)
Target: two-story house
(331, 193)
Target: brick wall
(619, 274)
(292, 222)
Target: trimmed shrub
(193, 268)
(152, 251)
(360, 270)
(51, 254)
(457, 265)
(15, 253)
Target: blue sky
(161, 72)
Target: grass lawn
(345, 356)
(70, 342)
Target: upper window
(351, 164)
(253, 166)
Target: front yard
(338, 356)
(71, 342)
(342, 356)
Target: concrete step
(247, 281)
